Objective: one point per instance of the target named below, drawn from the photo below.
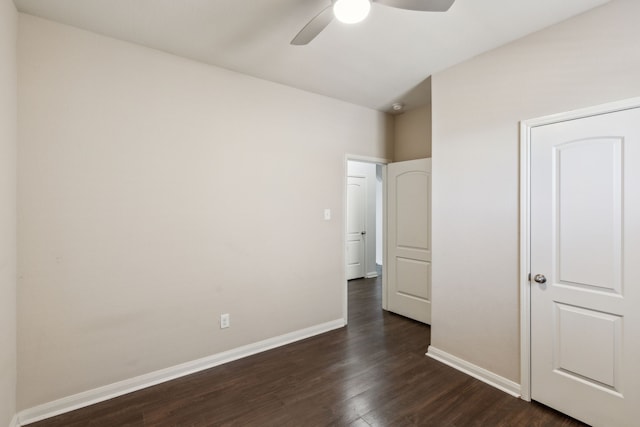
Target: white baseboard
(90, 397)
(14, 421)
(475, 371)
(371, 275)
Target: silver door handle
(539, 278)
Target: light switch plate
(225, 320)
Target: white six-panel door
(585, 267)
(409, 239)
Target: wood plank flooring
(371, 373)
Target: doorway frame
(345, 173)
(525, 221)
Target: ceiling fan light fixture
(351, 11)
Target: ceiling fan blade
(419, 5)
(314, 27)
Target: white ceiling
(374, 63)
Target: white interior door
(585, 241)
(356, 231)
(409, 239)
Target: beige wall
(412, 136)
(156, 193)
(8, 107)
(477, 105)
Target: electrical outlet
(225, 320)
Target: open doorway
(364, 212)
(364, 231)
(388, 234)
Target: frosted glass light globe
(351, 11)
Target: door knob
(539, 278)
(363, 232)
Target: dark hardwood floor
(371, 373)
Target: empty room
(319, 213)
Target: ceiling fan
(352, 11)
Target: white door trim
(525, 222)
(345, 174)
